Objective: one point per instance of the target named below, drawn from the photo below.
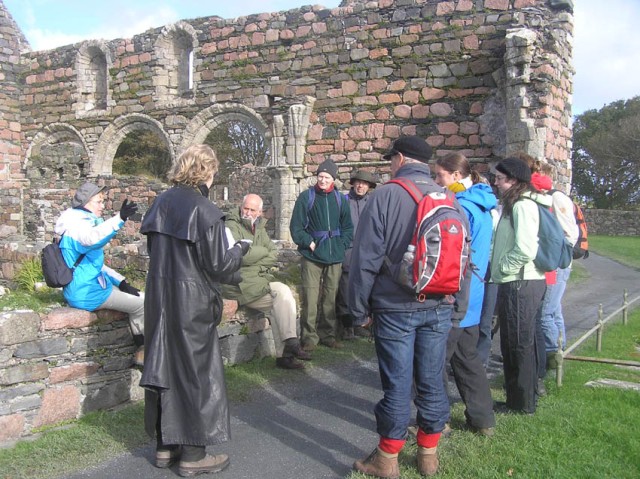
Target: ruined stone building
(484, 77)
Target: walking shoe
(541, 390)
(207, 465)
(138, 356)
(293, 349)
(289, 362)
(379, 464)
(331, 343)
(308, 346)
(167, 457)
(427, 461)
(446, 432)
(348, 334)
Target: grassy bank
(625, 249)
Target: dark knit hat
(412, 147)
(363, 175)
(328, 166)
(515, 168)
(85, 193)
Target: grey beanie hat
(363, 175)
(85, 193)
(328, 166)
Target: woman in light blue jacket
(477, 200)
(84, 233)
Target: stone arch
(175, 52)
(205, 121)
(92, 66)
(113, 135)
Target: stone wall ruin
(484, 77)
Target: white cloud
(606, 52)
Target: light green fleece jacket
(515, 244)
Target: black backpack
(54, 268)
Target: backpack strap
(80, 258)
(410, 187)
(322, 235)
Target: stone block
(11, 427)
(229, 329)
(64, 318)
(26, 403)
(23, 373)
(72, 371)
(239, 349)
(99, 396)
(42, 348)
(18, 327)
(58, 404)
(7, 394)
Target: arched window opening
(142, 153)
(237, 143)
(93, 81)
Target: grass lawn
(625, 249)
(577, 432)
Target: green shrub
(29, 273)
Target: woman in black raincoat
(185, 399)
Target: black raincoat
(183, 368)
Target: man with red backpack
(410, 330)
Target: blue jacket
(478, 201)
(85, 233)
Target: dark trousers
(486, 322)
(541, 350)
(189, 453)
(518, 305)
(470, 376)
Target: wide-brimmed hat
(363, 175)
(85, 193)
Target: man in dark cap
(410, 335)
(521, 285)
(84, 233)
(321, 227)
(362, 182)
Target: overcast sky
(606, 54)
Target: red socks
(428, 440)
(391, 446)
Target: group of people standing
(198, 255)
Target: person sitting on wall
(83, 231)
(258, 290)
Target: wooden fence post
(625, 311)
(600, 329)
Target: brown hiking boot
(167, 457)
(296, 351)
(427, 461)
(379, 464)
(289, 362)
(207, 465)
(331, 343)
(308, 346)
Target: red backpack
(441, 242)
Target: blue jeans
(411, 348)
(552, 319)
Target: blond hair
(194, 167)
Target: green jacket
(324, 216)
(514, 249)
(256, 264)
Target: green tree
(606, 155)
(142, 152)
(237, 143)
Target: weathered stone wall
(612, 223)
(64, 363)
(485, 77)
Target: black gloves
(127, 210)
(127, 288)
(244, 246)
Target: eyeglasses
(501, 177)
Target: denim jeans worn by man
(410, 335)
